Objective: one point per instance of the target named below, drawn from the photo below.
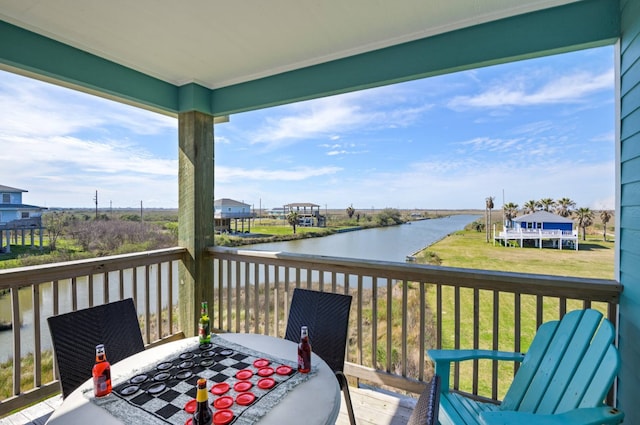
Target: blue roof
(20, 207)
(543, 217)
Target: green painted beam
(579, 25)
(35, 55)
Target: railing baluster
(438, 289)
(147, 304)
(170, 297)
(423, 329)
(476, 338)
(134, 289)
(56, 308)
(159, 300)
(360, 301)
(121, 283)
(105, 287)
(238, 295)
(539, 311)
(456, 335)
(220, 293)
(389, 325)
(374, 322)
(333, 282)
(495, 345)
(89, 290)
(267, 300)
(405, 319)
(256, 300)
(74, 294)
(17, 355)
(37, 352)
(229, 301)
(517, 328)
(247, 300)
(276, 300)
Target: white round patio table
(315, 401)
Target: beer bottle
(204, 331)
(203, 414)
(304, 351)
(101, 373)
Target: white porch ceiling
(219, 43)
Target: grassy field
(469, 249)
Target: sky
(527, 130)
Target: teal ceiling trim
(194, 97)
(36, 55)
(584, 24)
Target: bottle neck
(201, 395)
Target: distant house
(539, 229)
(308, 213)
(17, 218)
(543, 220)
(226, 210)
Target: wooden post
(195, 216)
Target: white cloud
(32, 108)
(228, 174)
(329, 117)
(521, 91)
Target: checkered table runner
(159, 393)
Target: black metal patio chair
(327, 317)
(426, 410)
(75, 335)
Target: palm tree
(547, 203)
(585, 219)
(605, 216)
(350, 211)
(488, 208)
(292, 219)
(510, 212)
(531, 206)
(564, 207)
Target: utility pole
(96, 199)
(141, 218)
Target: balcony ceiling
(216, 44)
(221, 58)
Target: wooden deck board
(370, 407)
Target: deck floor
(370, 407)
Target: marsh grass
(27, 373)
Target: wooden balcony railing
(38, 292)
(398, 310)
(401, 310)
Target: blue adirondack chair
(563, 378)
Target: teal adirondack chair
(563, 378)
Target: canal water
(392, 243)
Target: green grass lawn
(469, 249)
